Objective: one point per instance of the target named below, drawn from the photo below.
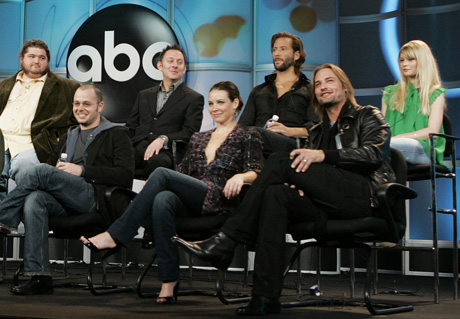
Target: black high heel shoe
(108, 251)
(172, 299)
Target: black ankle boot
(217, 250)
(260, 305)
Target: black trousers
(163, 159)
(275, 142)
(269, 206)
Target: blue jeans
(42, 192)
(16, 166)
(411, 149)
(166, 195)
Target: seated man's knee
(33, 201)
(278, 191)
(22, 162)
(38, 169)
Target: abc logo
(110, 53)
(117, 48)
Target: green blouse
(413, 120)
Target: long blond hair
(427, 74)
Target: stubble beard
(285, 65)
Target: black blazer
(179, 118)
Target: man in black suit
(170, 111)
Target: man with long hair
(284, 93)
(346, 159)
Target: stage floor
(76, 302)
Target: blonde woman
(415, 106)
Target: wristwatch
(165, 138)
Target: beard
(28, 71)
(328, 104)
(288, 62)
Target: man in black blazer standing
(170, 111)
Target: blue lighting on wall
(389, 41)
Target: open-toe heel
(171, 299)
(108, 251)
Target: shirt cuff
(166, 139)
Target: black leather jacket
(365, 137)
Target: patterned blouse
(239, 153)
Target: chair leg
(66, 258)
(455, 256)
(318, 267)
(434, 212)
(435, 255)
(5, 253)
(387, 309)
(103, 289)
(454, 216)
(220, 288)
(376, 275)
(352, 272)
(140, 279)
(190, 270)
(455, 231)
(246, 265)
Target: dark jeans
(166, 195)
(269, 205)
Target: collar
(19, 77)
(411, 89)
(348, 110)
(173, 87)
(272, 78)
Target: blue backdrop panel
(10, 36)
(313, 21)
(56, 25)
(221, 35)
(204, 80)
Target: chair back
(398, 205)
(117, 200)
(388, 225)
(447, 125)
(399, 166)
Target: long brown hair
(343, 79)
